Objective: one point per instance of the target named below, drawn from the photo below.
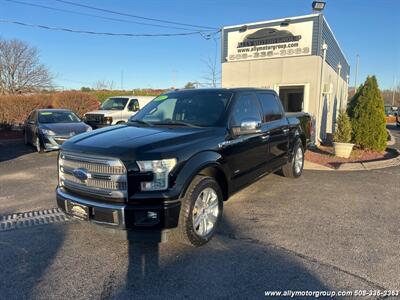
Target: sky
(369, 28)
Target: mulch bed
(324, 155)
(11, 134)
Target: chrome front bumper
(112, 215)
(113, 218)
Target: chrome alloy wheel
(298, 160)
(37, 144)
(205, 212)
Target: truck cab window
(271, 107)
(133, 105)
(245, 108)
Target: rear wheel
(201, 211)
(294, 167)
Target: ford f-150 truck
(116, 110)
(172, 166)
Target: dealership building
(298, 57)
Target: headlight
(47, 132)
(160, 169)
(108, 120)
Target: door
(31, 127)
(275, 129)
(245, 153)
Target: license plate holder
(78, 211)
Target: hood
(104, 112)
(130, 141)
(66, 128)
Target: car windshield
(46, 117)
(196, 108)
(114, 104)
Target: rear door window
(271, 107)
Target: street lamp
(318, 5)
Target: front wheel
(200, 212)
(294, 167)
(38, 146)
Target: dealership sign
(270, 42)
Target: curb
(392, 140)
(358, 166)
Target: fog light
(152, 215)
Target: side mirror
(396, 114)
(247, 126)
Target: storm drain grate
(31, 218)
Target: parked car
(171, 167)
(397, 114)
(116, 110)
(47, 129)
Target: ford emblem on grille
(81, 174)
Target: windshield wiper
(176, 123)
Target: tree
(368, 117)
(190, 85)
(104, 85)
(211, 75)
(20, 68)
(343, 130)
(85, 89)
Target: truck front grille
(93, 176)
(94, 118)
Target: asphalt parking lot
(324, 231)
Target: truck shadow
(14, 149)
(25, 256)
(226, 267)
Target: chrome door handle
(265, 137)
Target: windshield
(46, 117)
(114, 104)
(197, 108)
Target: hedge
(102, 95)
(14, 109)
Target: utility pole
(356, 75)
(394, 89)
(174, 78)
(122, 80)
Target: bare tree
(20, 68)
(212, 74)
(103, 85)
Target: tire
(194, 209)
(294, 168)
(38, 145)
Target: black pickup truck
(171, 167)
